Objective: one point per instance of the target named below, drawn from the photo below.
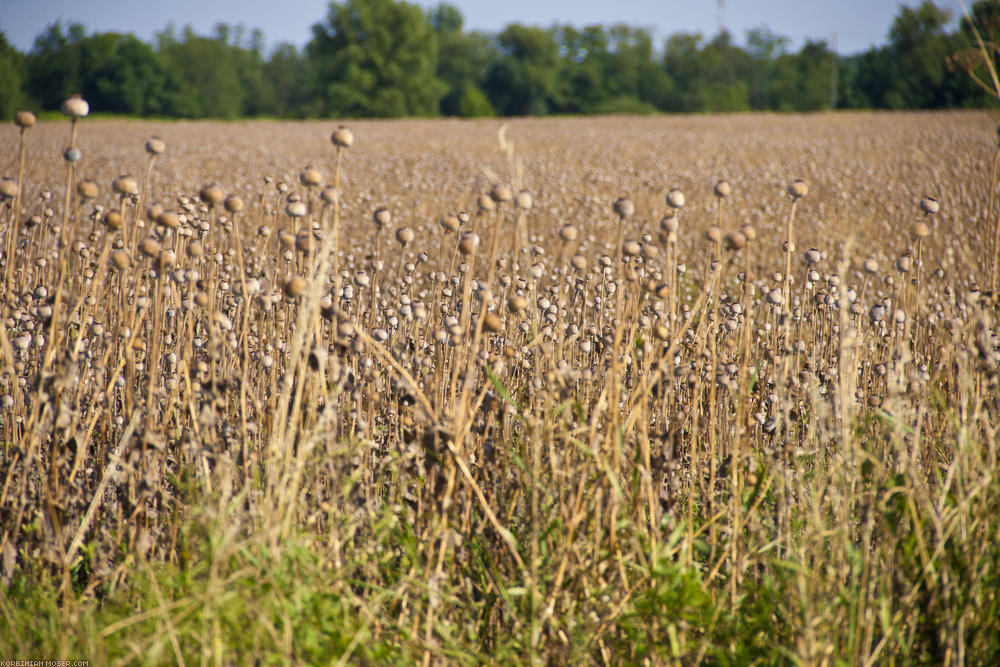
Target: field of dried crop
(660, 390)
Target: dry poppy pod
(404, 235)
(486, 203)
(233, 204)
(295, 287)
(661, 332)
(72, 155)
(877, 313)
(870, 265)
(669, 223)
(125, 185)
(150, 247)
(169, 219)
(296, 209)
(523, 200)
(450, 223)
(467, 245)
(195, 249)
(921, 230)
(302, 242)
(342, 137)
(735, 240)
(904, 263)
(119, 259)
(749, 231)
(713, 234)
(568, 233)
(153, 211)
(623, 208)
(929, 205)
(310, 177)
(8, 188)
(578, 262)
(88, 189)
(155, 146)
(798, 189)
(464, 217)
(75, 107)
(201, 298)
(517, 303)
(492, 322)
(675, 198)
(501, 193)
(631, 248)
(211, 194)
(286, 238)
(330, 195)
(812, 256)
(24, 119)
(722, 189)
(113, 220)
(167, 259)
(774, 297)
(650, 251)
(382, 217)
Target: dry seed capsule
(24, 119)
(523, 200)
(8, 188)
(517, 303)
(150, 247)
(296, 209)
(169, 219)
(233, 204)
(310, 177)
(798, 189)
(468, 243)
(486, 203)
(167, 259)
(568, 233)
(623, 207)
(921, 230)
(492, 322)
(501, 193)
(88, 189)
(713, 234)
(286, 238)
(295, 287)
(722, 189)
(72, 155)
(211, 194)
(735, 241)
(675, 198)
(382, 217)
(578, 262)
(749, 231)
(75, 107)
(125, 185)
(929, 205)
(342, 137)
(631, 248)
(812, 256)
(330, 195)
(404, 235)
(120, 259)
(450, 223)
(155, 146)
(669, 223)
(195, 249)
(113, 220)
(870, 265)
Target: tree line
(386, 58)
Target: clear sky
(857, 23)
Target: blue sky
(857, 23)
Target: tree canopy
(390, 58)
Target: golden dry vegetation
(489, 409)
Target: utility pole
(833, 74)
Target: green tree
(463, 60)
(376, 58)
(210, 68)
(11, 79)
(527, 79)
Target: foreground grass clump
(398, 397)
